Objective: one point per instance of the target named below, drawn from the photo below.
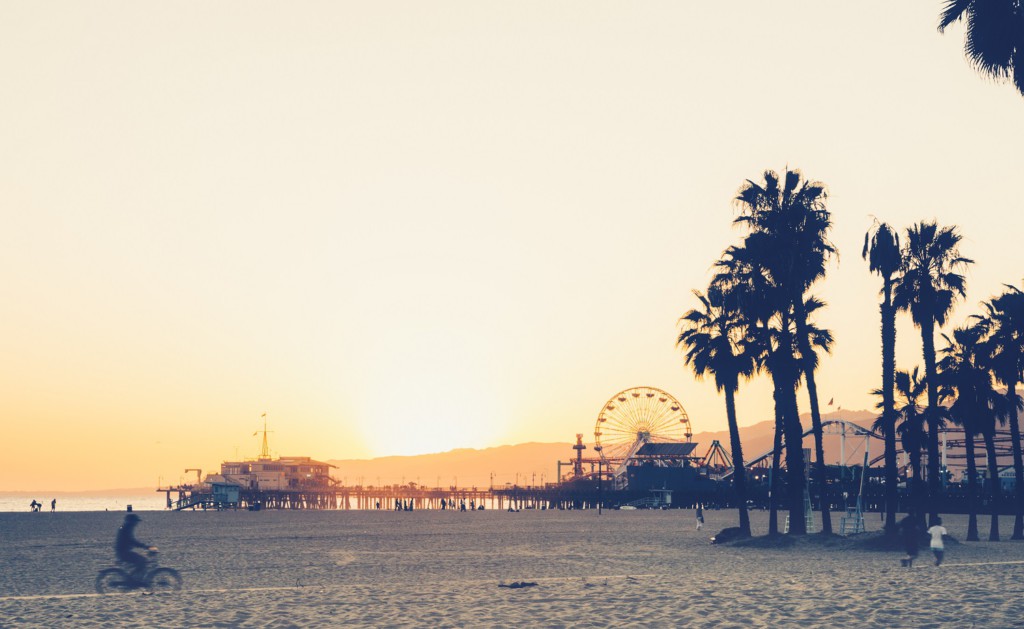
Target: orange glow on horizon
(462, 228)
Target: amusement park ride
(641, 427)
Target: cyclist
(126, 543)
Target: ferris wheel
(637, 416)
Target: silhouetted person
(53, 505)
(937, 531)
(700, 517)
(126, 543)
(34, 506)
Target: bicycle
(155, 579)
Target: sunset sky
(407, 227)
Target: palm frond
(952, 12)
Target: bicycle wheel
(113, 580)
(164, 580)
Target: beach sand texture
(443, 569)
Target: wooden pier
(550, 496)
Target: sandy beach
(445, 569)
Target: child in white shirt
(937, 531)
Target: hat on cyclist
(131, 517)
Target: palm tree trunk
(789, 377)
(932, 415)
(1018, 462)
(993, 477)
(972, 488)
(889, 406)
(795, 464)
(773, 485)
(739, 472)
(914, 486)
(820, 470)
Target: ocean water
(20, 502)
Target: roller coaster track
(837, 426)
(829, 427)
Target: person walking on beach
(908, 527)
(700, 516)
(53, 505)
(126, 543)
(937, 531)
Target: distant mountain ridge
(534, 463)
(525, 463)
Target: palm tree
(995, 36)
(992, 408)
(910, 428)
(753, 291)
(882, 251)
(1004, 323)
(789, 224)
(715, 340)
(968, 384)
(928, 286)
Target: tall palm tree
(928, 286)
(995, 36)
(882, 251)
(743, 278)
(992, 410)
(789, 225)
(965, 382)
(910, 387)
(714, 337)
(1004, 322)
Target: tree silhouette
(752, 291)
(966, 381)
(714, 338)
(928, 286)
(994, 42)
(882, 251)
(910, 428)
(1004, 324)
(789, 226)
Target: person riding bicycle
(126, 542)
